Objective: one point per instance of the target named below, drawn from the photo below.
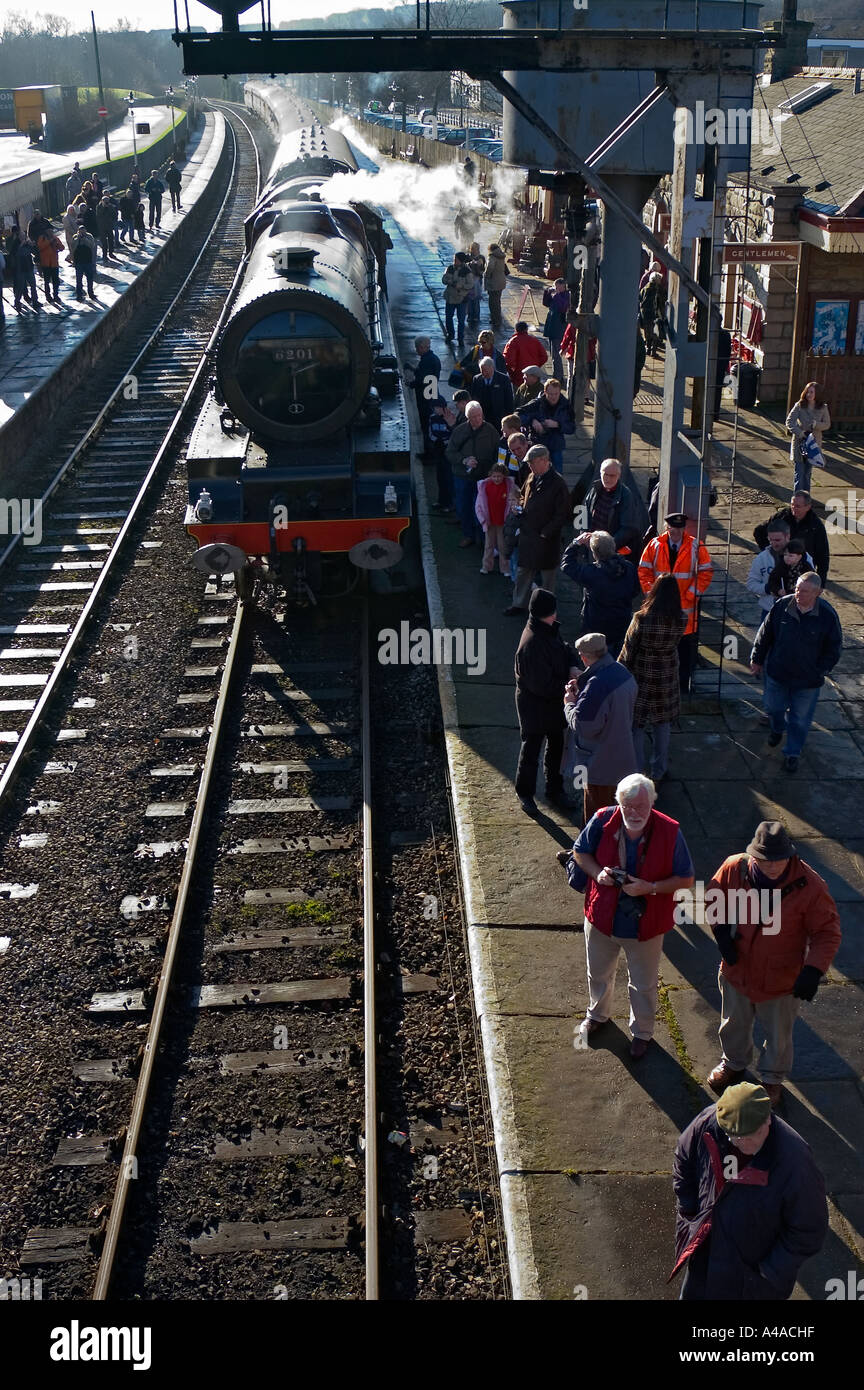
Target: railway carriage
(299, 464)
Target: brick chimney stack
(784, 62)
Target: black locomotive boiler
(299, 464)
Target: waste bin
(745, 383)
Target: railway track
(103, 484)
(213, 1133)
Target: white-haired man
(493, 391)
(636, 859)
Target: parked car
(492, 149)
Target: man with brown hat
(773, 1216)
(777, 929)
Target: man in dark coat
(544, 664)
(494, 392)
(424, 376)
(804, 525)
(549, 419)
(751, 1202)
(609, 585)
(472, 450)
(545, 513)
(799, 642)
(610, 505)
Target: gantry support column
(696, 240)
(620, 270)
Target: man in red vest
(636, 859)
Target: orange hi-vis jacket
(693, 571)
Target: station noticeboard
(784, 252)
(142, 127)
(7, 106)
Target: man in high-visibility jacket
(685, 557)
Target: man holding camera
(635, 859)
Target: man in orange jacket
(685, 557)
(778, 930)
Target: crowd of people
(96, 217)
(600, 712)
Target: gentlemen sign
(787, 252)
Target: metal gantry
(689, 66)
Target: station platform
(585, 1138)
(18, 156)
(44, 354)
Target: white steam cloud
(424, 201)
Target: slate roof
(825, 142)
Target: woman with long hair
(809, 415)
(650, 653)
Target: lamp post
(170, 95)
(131, 100)
(102, 106)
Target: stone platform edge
(25, 426)
(524, 1277)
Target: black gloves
(806, 985)
(726, 945)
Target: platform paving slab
(567, 1119)
(600, 1236)
(828, 1037)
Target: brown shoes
(774, 1093)
(638, 1048)
(723, 1076)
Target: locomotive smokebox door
(219, 558)
(375, 553)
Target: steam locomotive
(299, 463)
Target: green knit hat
(743, 1109)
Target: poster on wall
(830, 319)
(859, 330)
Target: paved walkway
(585, 1139)
(18, 156)
(35, 344)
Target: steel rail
(370, 1039)
(128, 1162)
(25, 741)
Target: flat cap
(743, 1109)
(594, 643)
